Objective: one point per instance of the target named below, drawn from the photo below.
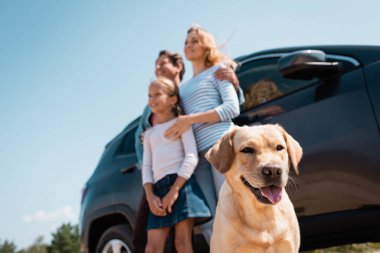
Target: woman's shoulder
(207, 74)
(210, 72)
(219, 66)
(215, 68)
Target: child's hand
(155, 206)
(169, 199)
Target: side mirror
(307, 64)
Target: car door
(126, 182)
(332, 120)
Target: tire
(116, 239)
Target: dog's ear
(222, 154)
(293, 147)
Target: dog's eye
(248, 150)
(279, 147)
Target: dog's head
(257, 158)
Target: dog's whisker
(292, 184)
(299, 181)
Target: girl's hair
(213, 55)
(175, 59)
(171, 90)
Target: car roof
(129, 126)
(365, 54)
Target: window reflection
(261, 92)
(262, 82)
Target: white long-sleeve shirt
(163, 156)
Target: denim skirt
(191, 203)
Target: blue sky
(74, 73)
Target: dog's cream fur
(242, 223)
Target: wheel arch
(105, 218)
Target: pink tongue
(273, 193)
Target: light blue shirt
(203, 93)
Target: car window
(127, 146)
(262, 82)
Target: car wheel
(116, 239)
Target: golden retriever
(261, 92)
(254, 212)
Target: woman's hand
(179, 127)
(229, 75)
(155, 205)
(169, 199)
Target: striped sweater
(203, 93)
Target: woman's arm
(228, 74)
(183, 122)
(229, 109)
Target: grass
(351, 248)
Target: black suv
(328, 98)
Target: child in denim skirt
(174, 197)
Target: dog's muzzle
(271, 194)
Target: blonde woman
(209, 105)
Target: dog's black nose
(271, 172)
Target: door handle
(128, 170)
